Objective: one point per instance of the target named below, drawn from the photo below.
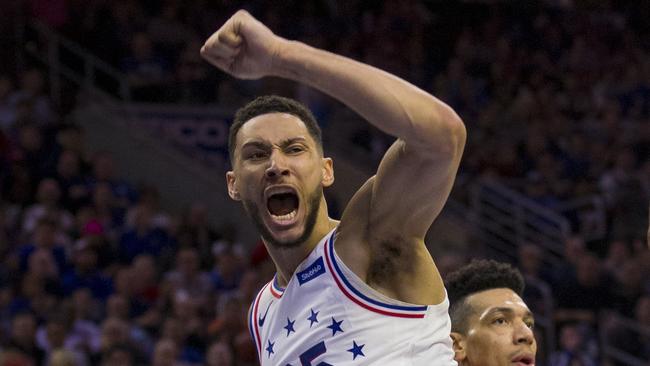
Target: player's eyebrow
(292, 140)
(255, 143)
(507, 310)
(283, 143)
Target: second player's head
(491, 324)
(278, 169)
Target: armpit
(390, 258)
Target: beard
(313, 202)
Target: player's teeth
(286, 217)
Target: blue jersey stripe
(361, 295)
(250, 327)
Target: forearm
(388, 102)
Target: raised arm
(381, 233)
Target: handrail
(591, 210)
(525, 201)
(631, 324)
(92, 65)
(611, 351)
(96, 61)
(514, 219)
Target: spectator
(123, 285)
(22, 340)
(32, 95)
(84, 307)
(117, 307)
(194, 83)
(227, 270)
(195, 230)
(573, 348)
(85, 274)
(146, 285)
(44, 237)
(245, 353)
(93, 237)
(70, 137)
(114, 333)
(167, 31)
(69, 176)
(191, 341)
(150, 198)
(230, 320)
(33, 296)
(629, 287)
(106, 209)
(144, 238)
(188, 278)
(618, 253)
(103, 168)
(119, 355)
(30, 149)
(146, 71)
(165, 354)
(219, 354)
(583, 295)
(48, 206)
(56, 335)
(62, 357)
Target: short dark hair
(273, 104)
(479, 275)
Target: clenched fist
(243, 47)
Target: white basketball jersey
(327, 316)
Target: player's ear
(328, 172)
(458, 343)
(232, 187)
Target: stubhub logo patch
(314, 270)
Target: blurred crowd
(93, 271)
(556, 98)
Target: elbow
(457, 133)
(447, 137)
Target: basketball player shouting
(365, 290)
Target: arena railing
(66, 60)
(507, 219)
(609, 351)
(591, 215)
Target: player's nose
(523, 334)
(277, 166)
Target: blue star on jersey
(335, 326)
(269, 349)
(313, 318)
(289, 326)
(356, 350)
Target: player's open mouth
(282, 204)
(527, 360)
